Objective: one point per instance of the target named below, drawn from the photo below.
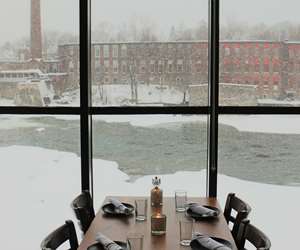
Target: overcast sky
(62, 15)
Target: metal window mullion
(258, 110)
(85, 96)
(148, 110)
(212, 168)
(26, 110)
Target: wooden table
(117, 229)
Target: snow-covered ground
(37, 186)
(115, 95)
(120, 94)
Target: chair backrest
(242, 211)
(83, 208)
(248, 232)
(62, 234)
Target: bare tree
(132, 70)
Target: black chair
(83, 208)
(257, 238)
(242, 209)
(61, 235)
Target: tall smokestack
(36, 30)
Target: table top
(119, 228)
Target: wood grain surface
(119, 228)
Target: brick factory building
(272, 67)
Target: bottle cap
(156, 181)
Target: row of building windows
(106, 51)
(251, 51)
(168, 66)
(159, 66)
(113, 50)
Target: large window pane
(149, 52)
(39, 176)
(130, 150)
(259, 161)
(39, 53)
(259, 51)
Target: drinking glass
(180, 200)
(186, 232)
(141, 209)
(135, 241)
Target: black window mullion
(212, 168)
(148, 110)
(258, 110)
(85, 96)
(24, 110)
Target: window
(97, 51)
(198, 66)
(124, 50)
(106, 66)
(160, 66)
(179, 65)
(126, 142)
(115, 66)
(152, 66)
(115, 50)
(142, 66)
(256, 132)
(170, 66)
(124, 67)
(106, 51)
(39, 150)
(261, 143)
(166, 111)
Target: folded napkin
(204, 242)
(200, 210)
(107, 243)
(119, 207)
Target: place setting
(116, 208)
(133, 242)
(198, 241)
(194, 210)
(195, 213)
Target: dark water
(267, 158)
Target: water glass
(135, 241)
(186, 232)
(141, 209)
(180, 200)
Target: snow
(38, 185)
(120, 94)
(150, 120)
(40, 129)
(6, 102)
(272, 102)
(274, 124)
(15, 121)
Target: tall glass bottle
(156, 193)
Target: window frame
(212, 110)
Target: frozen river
(178, 143)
